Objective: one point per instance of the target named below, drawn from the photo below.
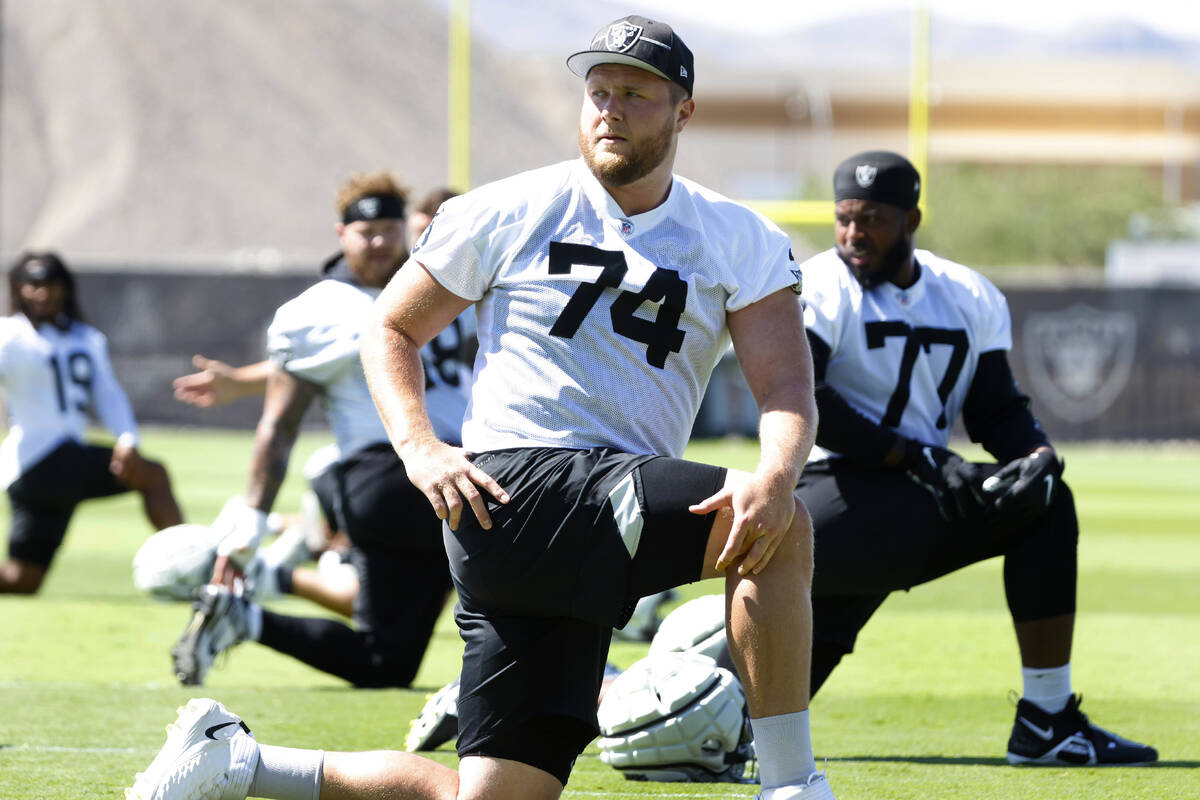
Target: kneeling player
(55, 370)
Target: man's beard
(621, 170)
(890, 263)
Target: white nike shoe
(816, 787)
(218, 623)
(210, 754)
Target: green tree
(1033, 215)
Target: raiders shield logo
(1079, 359)
(369, 207)
(621, 36)
(864, 175)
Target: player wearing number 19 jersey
(55, 372)
(903, 342)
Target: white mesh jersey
(905, 358)
(597, 329)
(316, 336)
(53, 381)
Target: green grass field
(920, 711)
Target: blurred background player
(54, 369)
(902, 342)
(217, 383)
(397, 548)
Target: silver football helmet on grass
(677, 717)
(174, 562)
(697, 626)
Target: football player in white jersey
(55, 371)
(606, 289)
(217, 384)
(903, 342)
(313, 343)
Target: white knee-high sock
(1048, 689)
(285, 773)
(784, 749)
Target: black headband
(374, 206)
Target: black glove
(1024, 487)
(953, 482)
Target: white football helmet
(697, 626)
(172, 563)
(677, 717)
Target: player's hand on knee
(762, 516)
(447, 478)
(128, 466)
(1024, 487)
(954, 483)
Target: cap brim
(581, 63)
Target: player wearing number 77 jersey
(902, 342)
(55, 371)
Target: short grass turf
(920, 710)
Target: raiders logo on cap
(621, 36)
(638, 42)
(878, 176)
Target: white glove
(245, 529)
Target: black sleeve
(840, 427)
(996, 413)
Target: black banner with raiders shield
(1098, 363)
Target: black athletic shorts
(875, 531)
(585, 534)
(44, 498)
(397, 548)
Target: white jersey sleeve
(316, 336)
(597, 329)
(109, 400)
(905, 358)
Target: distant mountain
(138, 132)
(880, 37)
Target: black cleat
(1067, 739)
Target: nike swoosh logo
(1046, 734)
(211, 732)
(1049, 479)
(929, 456)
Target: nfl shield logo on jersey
(622, 36)
(1079, 359)
(864, 174)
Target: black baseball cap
(642, 43)
(879, 176)
(40, 268)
